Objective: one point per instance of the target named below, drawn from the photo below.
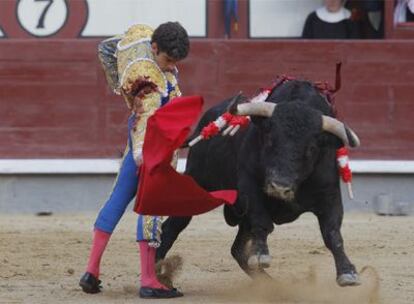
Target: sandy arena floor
(42, 259)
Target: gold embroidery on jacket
(175, 92)
(172, 79)
(148, 223)
(126, 56)
(144, 68)
(150, 103)
(136, 33)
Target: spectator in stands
(404, 11)
(331, 21)
(369, 15)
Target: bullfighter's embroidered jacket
(127, 58)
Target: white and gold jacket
(125, 59)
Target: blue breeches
(124, 190)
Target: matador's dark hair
(172, 39)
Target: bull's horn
(339, 129)
(256, 109)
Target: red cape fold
(161, 189)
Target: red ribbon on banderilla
(233, 122)
(345, 172)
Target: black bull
(283, 165)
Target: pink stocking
(100, 240)
(148, 276)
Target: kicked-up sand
(43, 257)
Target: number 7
(41, 23)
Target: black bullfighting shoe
(155, 293)
(89, 283)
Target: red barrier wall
(54, 101)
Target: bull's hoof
(259, 261)
(348, 279)
(265, 260)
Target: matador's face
(165, 62)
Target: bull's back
(213, 162)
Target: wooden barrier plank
(54, 101)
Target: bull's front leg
(171, 228)
(260, 225)
(330, 221)
(241, 255)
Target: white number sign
(42, 18)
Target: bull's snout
(281, 192)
